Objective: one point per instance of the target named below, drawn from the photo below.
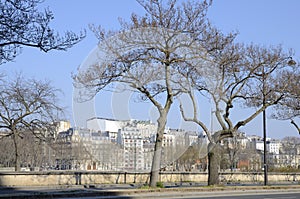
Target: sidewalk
(115, 190)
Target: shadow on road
(58, 192)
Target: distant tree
(189, 158)
(80, 153)
(291, 140)
(22, 24)
(28, 106)
(33, 152)
(232, 148)
(6, 152)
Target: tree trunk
(17, 157)
(154, 175)
(213, 164)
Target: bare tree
(151, 54)
(32, 152)
(22, 24)
(237, 79)
(289, 108)
(27, 105)
(189, 158)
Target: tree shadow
(48, 192)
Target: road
(131, 192)
(252, 194)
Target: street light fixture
(291, 62)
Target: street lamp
(265, 145)
(264, 128)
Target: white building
(62, 126)
(132, 143)
(169, 140)
(104, 125)
(146, 128)
(274, 146)
(259, 145)
(191, 138)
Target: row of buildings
(112, 145)
(118, 145)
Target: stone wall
(56, 178)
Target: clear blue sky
(267, 22)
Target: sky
(265, 22)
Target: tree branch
(295, 125)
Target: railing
(56, 178)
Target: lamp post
(264, 127)
(265, 148)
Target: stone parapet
(56, 178)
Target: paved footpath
(123, 191)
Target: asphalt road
(246, 196)
(129, 192)
(258, 194)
